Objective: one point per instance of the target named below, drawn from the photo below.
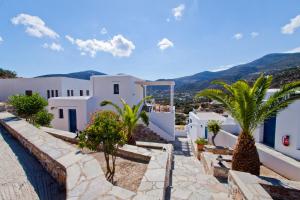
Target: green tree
(28, 106)
(214, 127)
(43, 118)
(7, 73)
(130, 116)
(246, 104)
(107, 130)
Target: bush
(28, 106)
(201, 141)
(106, 129)
(43, 118)
(214, 127)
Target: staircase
(145, 134)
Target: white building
(46, 86)
(197, 126)
(73, 113)
(286, 124)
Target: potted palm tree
(247, 105)
(130, 116)
(214, 127)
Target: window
(52, 93)
(68, 93)
(116, 88)
(72, 92)
(28, 92)
(87, 93)
(81, 92)
(48, 94)
(61, 113)
(56, 93)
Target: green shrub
(43, 118)
(108, 130)
(214, 126)
(27, 106)
(201, 141)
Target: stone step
(143, 133)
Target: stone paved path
(188, 178)
(21, 175)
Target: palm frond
(106, 103)
(143, 115)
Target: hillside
(269, 63)
(79, 75)
(4, 73)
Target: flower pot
(200, 147)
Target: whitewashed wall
(78, 103)
(165, 121)
(103, 87)
(10, 87)
(288, 123)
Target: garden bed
(129, 172)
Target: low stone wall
(245, 186)
(63, 135)
(81, 174)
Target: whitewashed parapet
(81, 174)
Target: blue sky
(149, 39)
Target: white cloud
(164, 44)
(70, 39)
(103, 31)
(292, 26)
(118, 46)
(53, 46)
(295, 50)
(178, 11)
(238, 36)
(35, 26)
(254, 34)
(1, 39)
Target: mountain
(268, 63)
(79, 75)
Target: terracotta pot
(200, 147)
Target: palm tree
(130, 116)
(246, 104)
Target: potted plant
(200, 143)
(214, 127)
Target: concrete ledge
(243, 185)
(81, 174)
(64, 135)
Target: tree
(214, 127)
(28, 106)
(108, 130)
(7, 73)
(130, 116)
(246, 104)
(43, 118)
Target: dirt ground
(129, 173)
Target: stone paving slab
(189, 180)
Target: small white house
(197, 126)
(47, 87)
(73, 113)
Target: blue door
(206, 132)
(269, 131)
(72, 120)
